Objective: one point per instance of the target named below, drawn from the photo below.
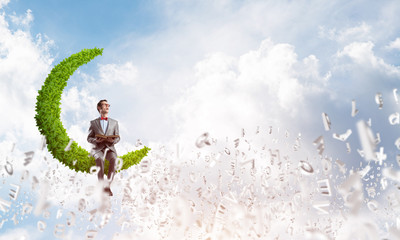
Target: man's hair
(99, 104)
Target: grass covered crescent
(48, 117)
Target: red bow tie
(104, 118)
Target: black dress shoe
(108, 190)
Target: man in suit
(104, 148)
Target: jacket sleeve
(91, 136)
(116, 132)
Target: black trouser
(112, 158)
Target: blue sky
(75, 24)
(173, 70)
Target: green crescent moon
(48, 117)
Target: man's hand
(99, 140)
(110, 140)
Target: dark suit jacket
(95, 128)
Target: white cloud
(309, 70)
(25, 62)
(23, 20)
(3, 3)
(394, 44)
(20, 234)
(78, 103)
(260, 87)
(193, 30)
(350, 34)
(78, 107)
(71, 100)
(125, 74)
(362, 54)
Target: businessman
(104, 147)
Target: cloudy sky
(172, 69)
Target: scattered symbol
(380, 156)
(91, 234)
(384, 183)
(322, 207)
(341, 166)
(364, 172)
(395, 96)
(369, 122)
(368, 143)
(41, 226)
(379, 100)
(348, 147)
(59, 214)
(324, 187)
(94, 170)
(4, 205)
(321, 146)
(326, 121)
(236, 143)
(354, 111)
(35, 182)
(326, 165)
(274, 156)
(68, 147)
(27, 209)
(372, 205)
(71, 219)
(43, 143)
(145, 166)
(342, 137)
(82, 204)
(28, 157)
(394, 118)
(59, 230)
(306, 167)
(9, 168)
(227, 151)
(24, 175)
(203, 140)
(14, 192)
(12, 147)
(138, 143)
(252, 161)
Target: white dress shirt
(104, 124)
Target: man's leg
(100, 163)
(112, 158)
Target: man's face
(105, 107)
